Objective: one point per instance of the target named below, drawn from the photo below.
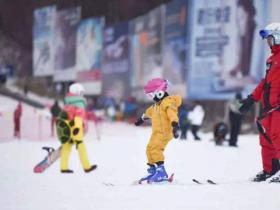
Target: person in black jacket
(55, 110)
(183, 121)
(235, 119)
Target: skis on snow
(52, 156)
(169, 180)
(208, 181)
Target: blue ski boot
(160, 175)
(151, 172)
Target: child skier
(70, 128)
(164, 118)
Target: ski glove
(175, 129)
(140, 121)
(247, 103)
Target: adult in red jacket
(268, 93)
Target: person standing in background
(17, 116)
(183, 121)
(235, 119)
(196, 118)
(55, 110)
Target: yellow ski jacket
(162, 114)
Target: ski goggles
(158, 94)
(151, 95)
(265, 33)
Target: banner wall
(43, 37)
(227, 54)
(65, 44)
(115, 65)
(175, 46)
(146, 48)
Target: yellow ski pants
(155, 148)
(77, 135)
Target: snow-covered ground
(120, 155)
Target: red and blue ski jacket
(268, 90)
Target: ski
(108, 184)
(196, 181)
(52, 156)
(209, 181)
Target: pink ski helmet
(155, 85)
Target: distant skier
(70, 128)
(196, 117)
(164, 118)
(267, 92)
(183, 121)
(55, 110)
(17, 117)
(235, 119)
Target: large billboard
(89, 54)
(89, 44)
(146, 49)
(65, 44)
(43, 37)
(227, 54)
(175, 45)
(115, 65)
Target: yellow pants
(77, 135)
(155, 148)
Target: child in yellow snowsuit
(164, 118)
(71, 128)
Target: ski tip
(37, 170)
(171, 178)
(211, 182)
(196, 181)
(108, 184)
(137, 182)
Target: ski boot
(93, 167)
(275, 178)
(275, 171)
(67, 171)
(160, 175)
(261, 176)
(151, 172)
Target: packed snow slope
(120, 155)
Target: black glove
(247, 103)
(175, 129)
(139, 121)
